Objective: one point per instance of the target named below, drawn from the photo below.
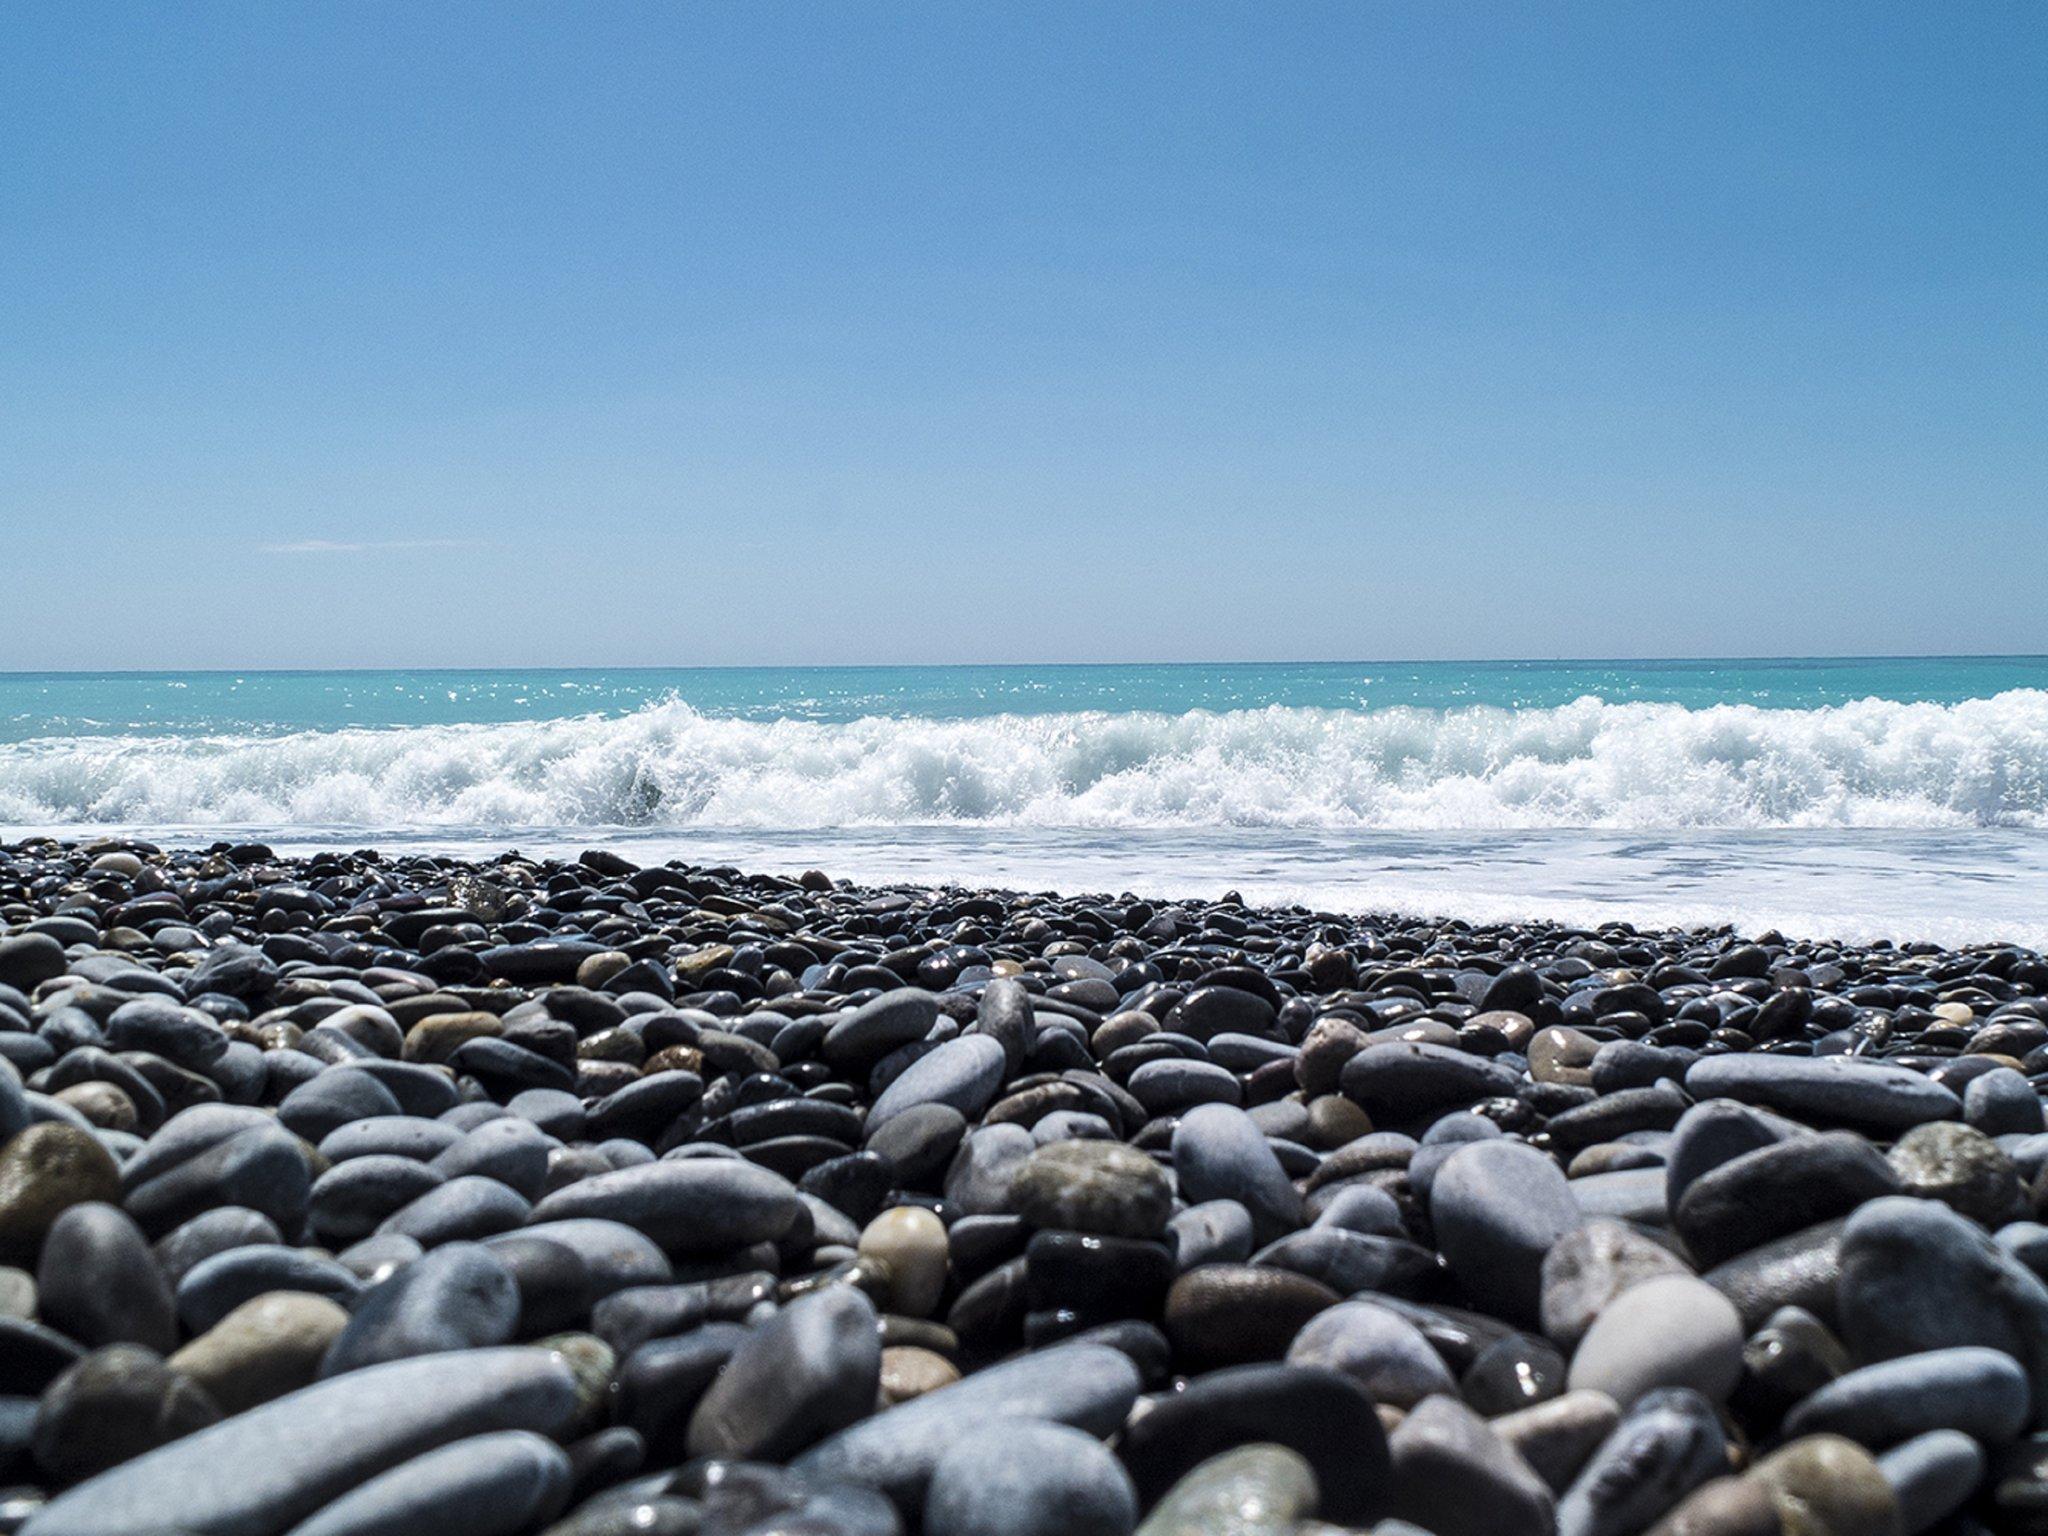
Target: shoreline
(1958, 890)
(675, 1197)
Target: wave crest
(1586, 764)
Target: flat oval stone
(1802, 1270)
(1932, 1476)
(457, 1297)
(1848, 1091)
(963, 1074)
(1406, 1082)
(1664, 1447)
(1256, 1490)
(1219, 1153)
(696, 1205)
(811, 1369)
(300, 1453)
(1023, 1479)
(389, 1135)
(44, 1171)
(1088, 1386)
(614, 1255)
(1778, 1190)
(213, 1289)
(463, 1209)
(1093, 1186)
(263, 1349)
(1452, 1470)
(1982, 1392)
(1498, 1207)
(1235, 1314)
(489, 1485)
(1322, 1415)
(1915, 1277)
(1670, 1331)
(349, 1201)
(1383, 1352)
(100, 1283)
(866, 1034)
(211, 1232)
(1824, 1485)
(262, 1169)
(512, 1151)
(116, 1403)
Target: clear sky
(403, 333)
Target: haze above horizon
(771, 334)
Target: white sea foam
(1588, 764)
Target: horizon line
(886, 666)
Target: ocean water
(1902, 797)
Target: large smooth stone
(462, 1210)
(1498, 1207)
(1932, 1476)
(1219, 1153)
(1713, 1132)
(263, 1349)
(1088, 1386)
(1324, 1416)
(1778, 1190)
(457, 1297)
(1453, 1471)
(100, 1283)
(1590, 1266)
(214, 1288)
(1255, 1490)
(44, 1172)
(116, 1403)
(707, 1205)
(1802, 1270)
(1664, 1447)
(1093, 1186)
(1671, 1331)
(614, 1255)
(1237, 1314)
(862, 1036)
(299, 1454)
(962, 1074)
(352, 1199)
(1982, 1392)
(262, 1169)
(1008, 1479)
(1824, 1485)
(1381, 1351)
(1915, 1276)
(489, 1485)
(811, 1369)
(1414, 1082)
(1849, 1091)
(1557, 1436)
(1961, 1167)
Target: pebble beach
(354, 1193)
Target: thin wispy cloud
(365, 546)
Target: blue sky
(747, 332)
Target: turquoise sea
(1860, 797)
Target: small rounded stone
(911, 1241)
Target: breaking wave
(1983, 762)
